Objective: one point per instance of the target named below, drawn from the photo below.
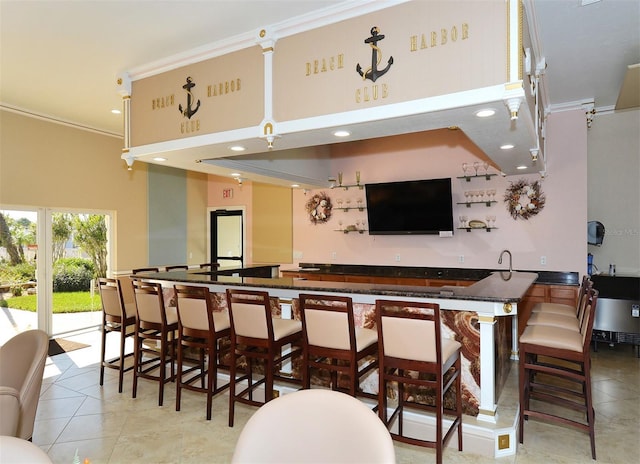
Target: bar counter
(480, 316)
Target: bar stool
(116, 317)
(145, 269)
(202, 328)
(256, 335)
(177, 267)
(410, 340)
(564, 358)
(155, 324)
(332, 342)
(209, 265)
(564, 309)
(570, 320)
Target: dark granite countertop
(544, 277)
(501, 287)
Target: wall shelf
(359, 208)
(469, 229)
(486, 176)
(347, 186)
(346, 231)
(469, 203)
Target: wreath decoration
(319, 208)
(533, 196)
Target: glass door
(18, 288)
(49, 263)
(79, 246)
(226, 237)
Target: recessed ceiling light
(521, 167)
(295, 185)
(114, 111)
(506, 146)
(159, 158)
(342, 133)
(235, 174)
(237, 148)
(485, 113)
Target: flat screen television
(410, 207)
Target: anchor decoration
(188, 111)
(373, 72)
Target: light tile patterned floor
(75, 413)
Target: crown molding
(55, 120)
(323, 17)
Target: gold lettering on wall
(162, 102)
(372, 93)
(323, 65)
(434, 38)
(190, 126)
(223, 88)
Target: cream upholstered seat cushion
(328, 328)
(552, 337)
(317, 425)
(130, 309)
(557, 308)
(193, 315)
(249, 321)
(331, 330)
(555, 320)
(413, 339)
(172, 315)
(365, 338)
(285, 327)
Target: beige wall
(44, 164)
(272, 228)
(196, 218)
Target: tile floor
(75, 413)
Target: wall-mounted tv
(410, 207)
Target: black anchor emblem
(373, 72)
(188, 112)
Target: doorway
(58, 255)
(226, 237)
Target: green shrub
(72, 275)
(23, 272)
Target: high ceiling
(60, 59)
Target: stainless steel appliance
(618, 310)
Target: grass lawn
(64, 302)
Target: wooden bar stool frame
(191, 302)
(177, 267)
(145, 269)
(155, 329)
(444, 374)
(115, 319)
(260, 341)
(339, 352)
(550, 356)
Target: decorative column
(124, 88)
(268, 125)
(487, 409)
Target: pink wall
(558, 232)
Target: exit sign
(227, 193)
